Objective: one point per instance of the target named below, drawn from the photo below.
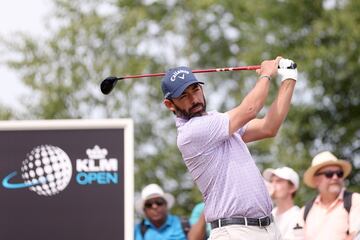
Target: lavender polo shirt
(222, 167)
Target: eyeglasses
(159, 202)
(330, 174)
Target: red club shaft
(226, 69)
(109, 83)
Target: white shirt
(286, 221)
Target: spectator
(284, 183)
(157, 224)
(334, 213)
(199, 228)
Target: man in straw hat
(282, 184)
(334, 212)
(158, 224)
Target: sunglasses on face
(159, 202)
(330, 174)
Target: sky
(19, 15)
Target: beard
(335, 188)
(187, 114)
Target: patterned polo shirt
(222, 167)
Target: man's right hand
(269, 67)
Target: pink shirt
(332, 222)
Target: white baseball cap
(284, 173)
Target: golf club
(109, 83)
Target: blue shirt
(170, 230)
(195, 216)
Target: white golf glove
(287, 69)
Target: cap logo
(176, 73)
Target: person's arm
(255, 99)
(354, 221)
(270, 124)
(198, 230)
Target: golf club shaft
(227, 69)
(109, 83)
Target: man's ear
(169, 104)
(293, 188)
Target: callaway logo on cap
(176, 80)
(180, 74)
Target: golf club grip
(227, 69)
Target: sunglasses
(330, 174)
(159, 202)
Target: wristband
(265, 76)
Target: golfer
(213, 146)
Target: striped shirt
(222, 167)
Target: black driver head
(108, 84)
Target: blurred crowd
(332, 214)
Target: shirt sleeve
(242, 130)
(202, 134)
(196, 213)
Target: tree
(5, 113)
(95, 39)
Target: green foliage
(5, 113)
(94, 39)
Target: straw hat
(321, 160)
(153, 191)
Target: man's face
(191, 103)
(155, 210)
(329, 179)
(282, 187)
